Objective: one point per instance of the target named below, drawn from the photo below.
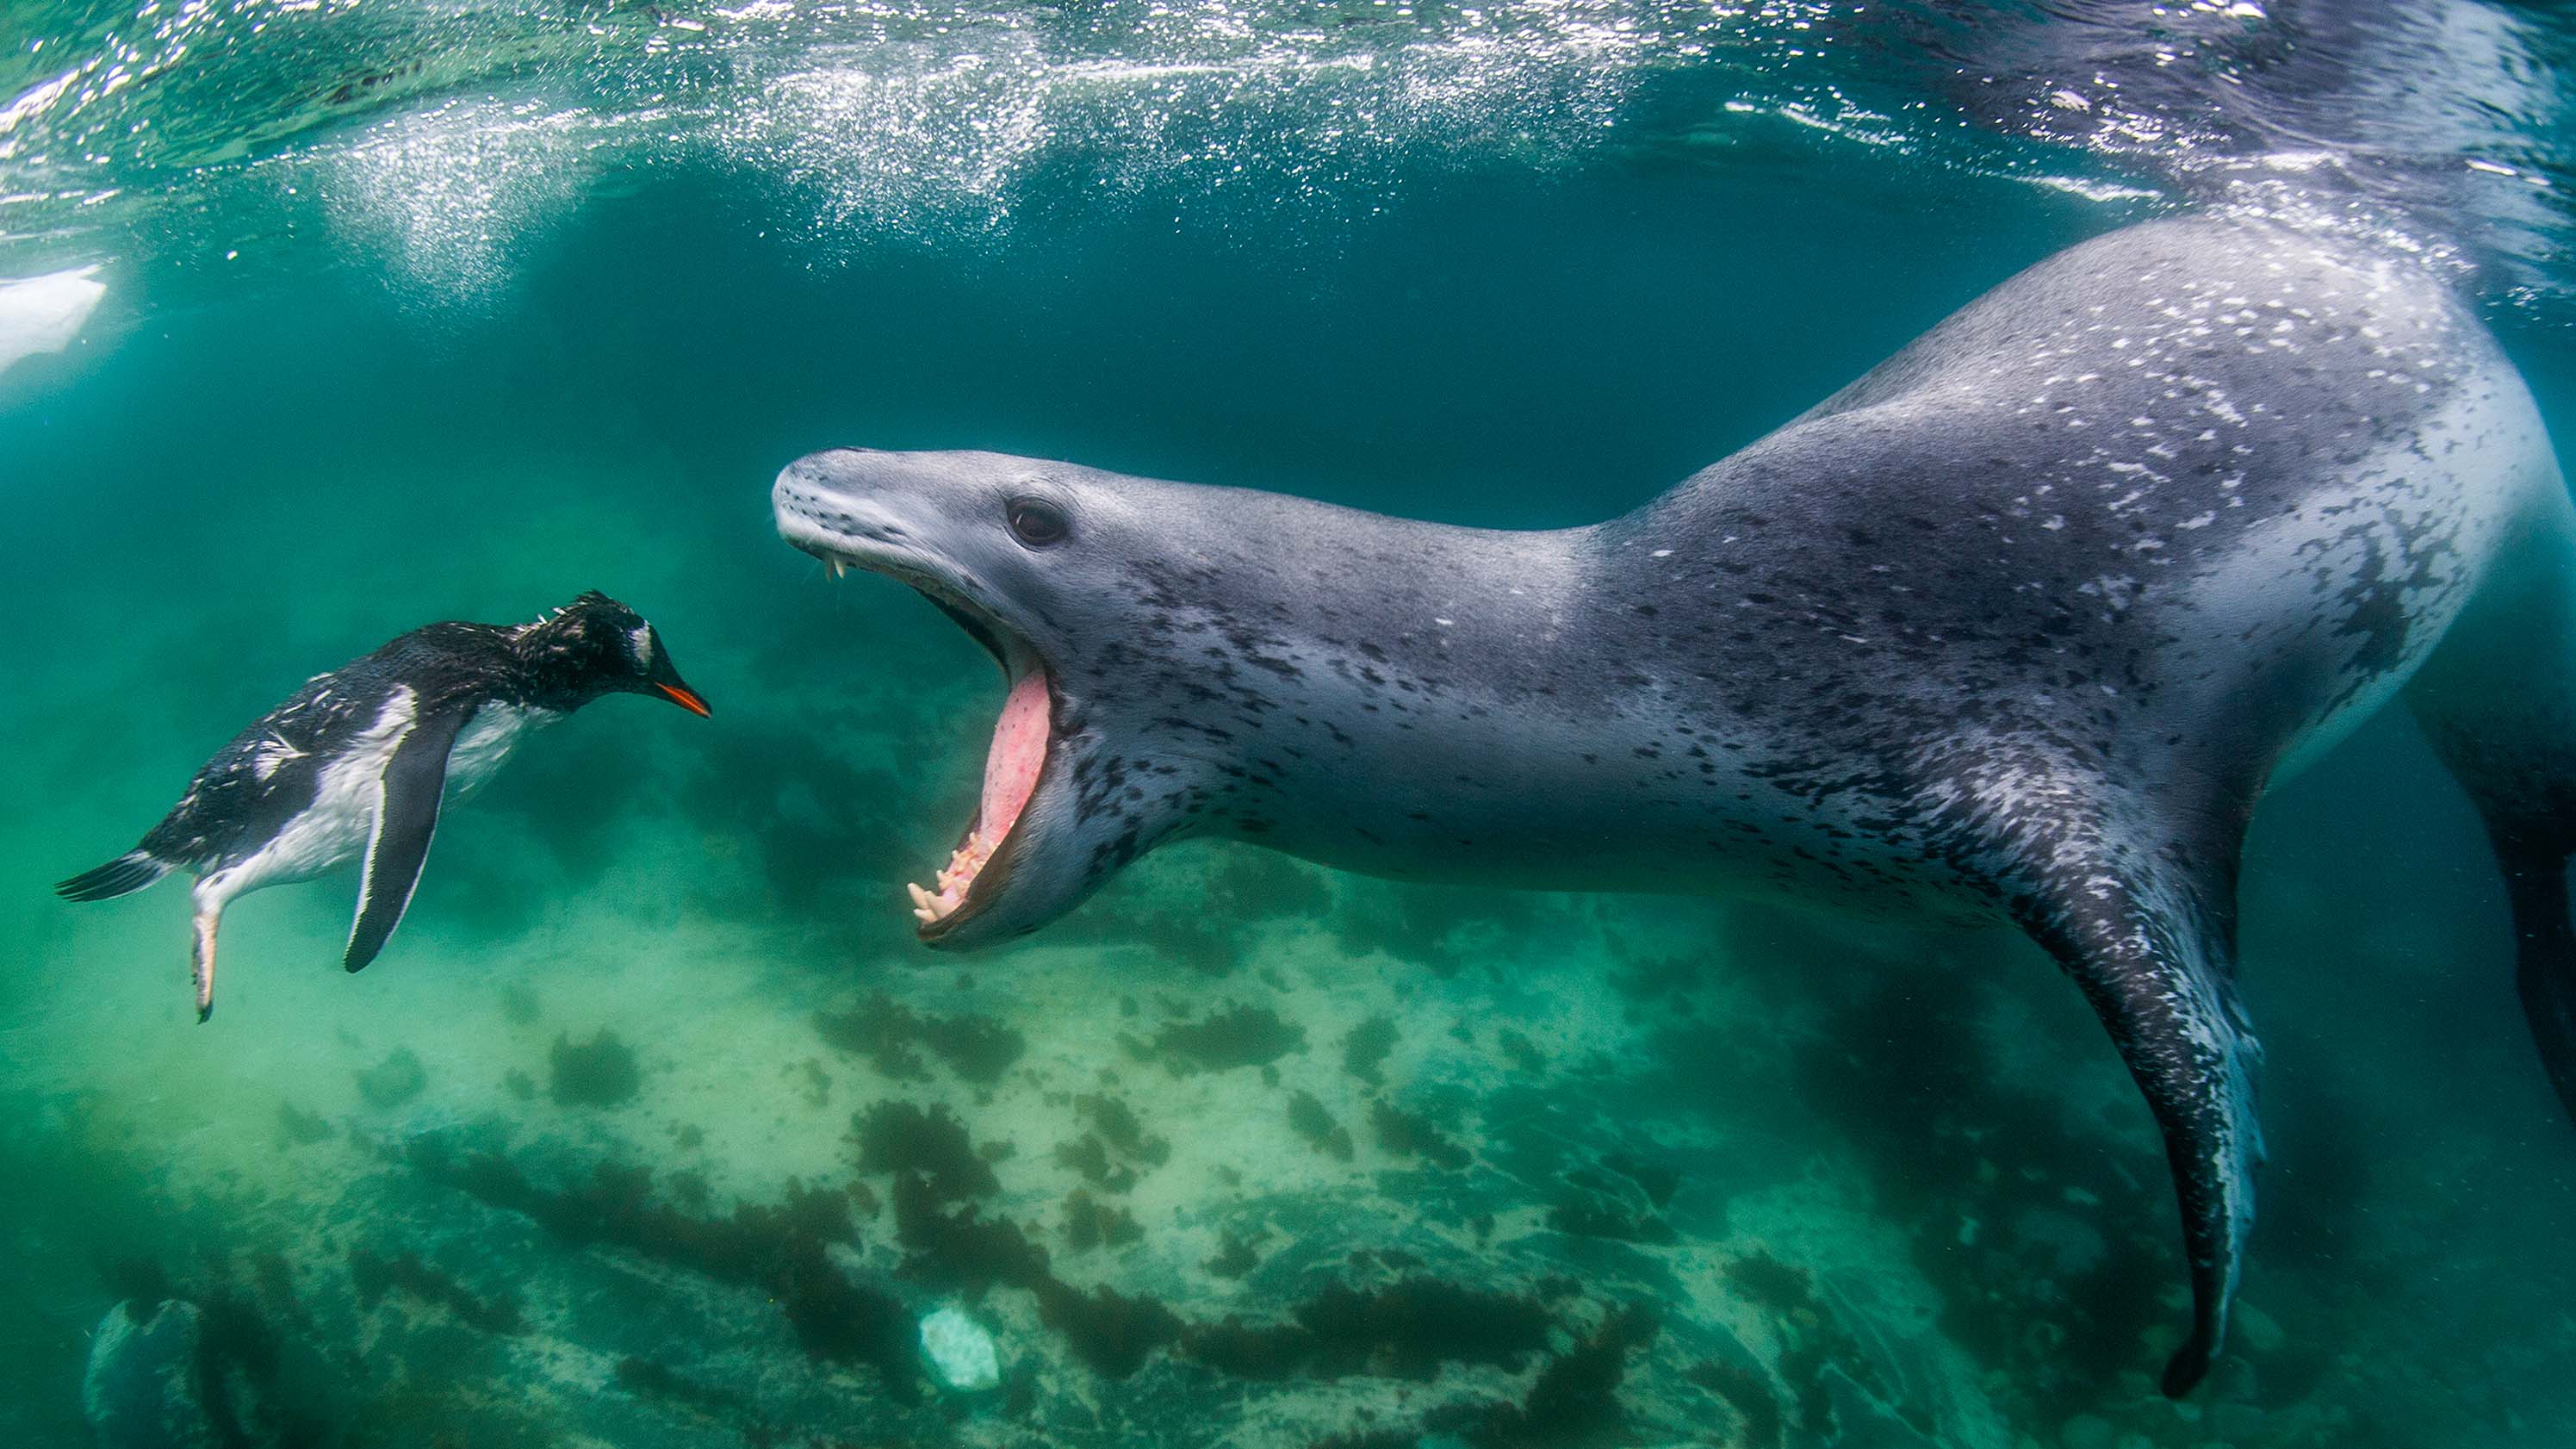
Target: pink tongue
(1019, 748)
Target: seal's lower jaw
(1015, 763)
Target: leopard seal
(2017, 627)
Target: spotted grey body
(358, 762)
(2017, 627)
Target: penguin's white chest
(349, 792)
(333, 829)
(487, 740)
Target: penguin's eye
(1038, 523)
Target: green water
(1520, 1169)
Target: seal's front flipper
(406, 818)
(2152, 953)
(2498, 704)
(2544, 949)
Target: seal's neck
(1405, 698)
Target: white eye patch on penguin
(359, 761)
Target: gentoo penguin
(359, 759)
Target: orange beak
(685, 697)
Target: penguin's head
(596, 645)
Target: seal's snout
(813, 476)
(824, 503)
(852, 490)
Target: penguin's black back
(271, 772)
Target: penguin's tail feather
(129, 872)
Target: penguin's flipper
(2151, 950)
(406, 817)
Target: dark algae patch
(1089, 1156)
(1621, 1198)
(1089, 1223)
(1410, 1134)
(891, 1036)
(1523, 1052)
(648, 1379)
(299, 1128)
(1404, 1330)
(1814, 1339)
(1105, 1328)
(779, 1250)
(1658, 1181)
(1573, 1402)
(1407, 1330)
(1308, 1119)
(1239, 1036)
(395, 1080)
(899, 1137)
(1743, 1389)
(1236, 1257)
(1119, 1126)
(600, 1072)
(957, 1247)
(1592, 1204)
(1364, 1050)
(405, 1273)
(1117, 1149)
(1252, 1351)
(952, 1246)
(1371, 1439)
(1771, 1283)
(948, 1242)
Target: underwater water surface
(654, 1126)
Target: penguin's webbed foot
(201, 958)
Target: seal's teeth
(946, 894)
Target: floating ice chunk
(960, 1351)
(43, 314)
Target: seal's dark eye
(1037, 523)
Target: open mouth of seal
(1015, 762)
